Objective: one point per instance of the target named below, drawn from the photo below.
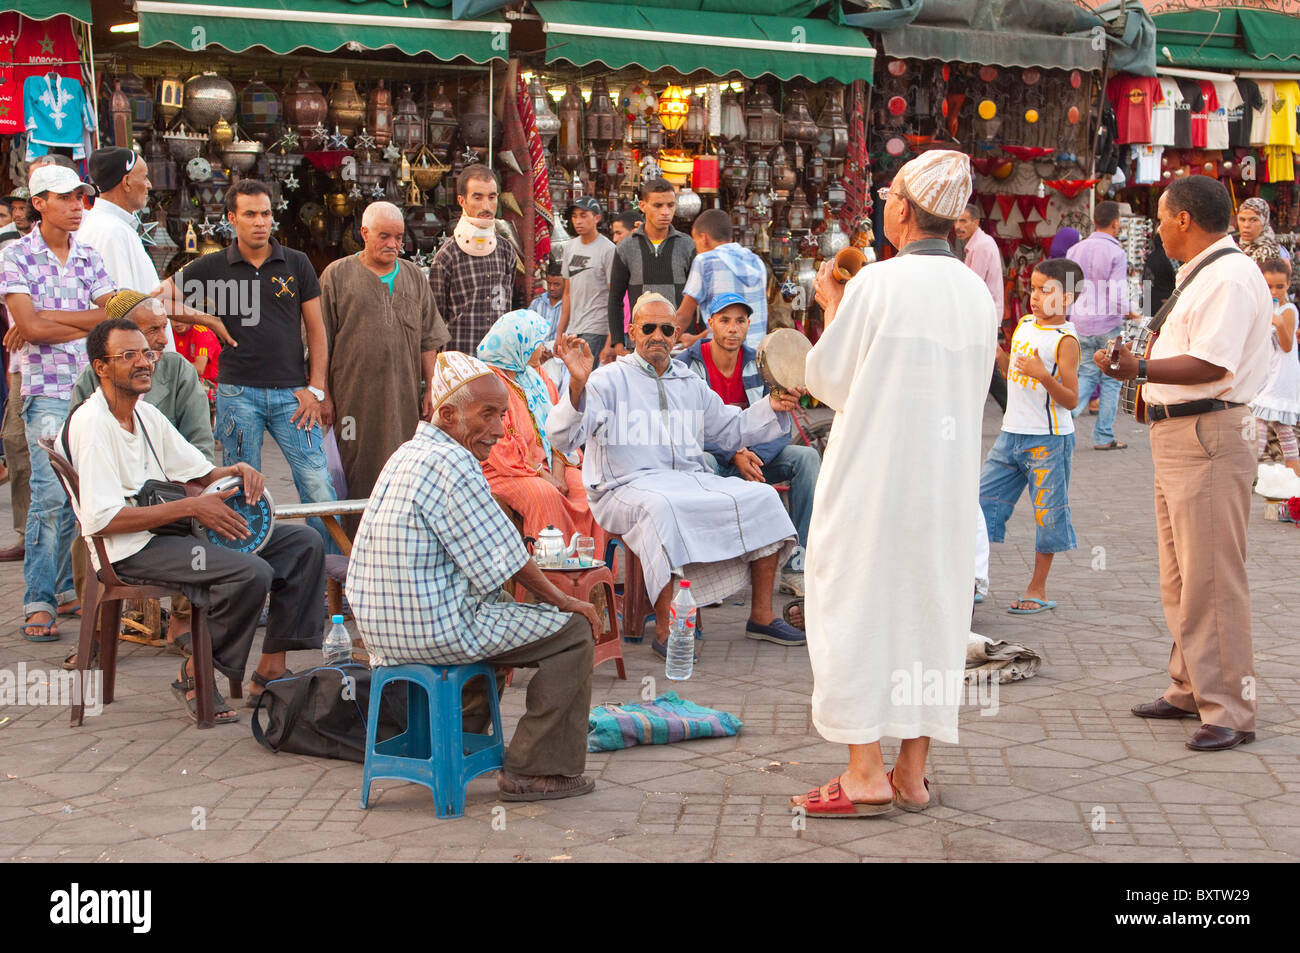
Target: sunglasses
(667, 330)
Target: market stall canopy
(1228, 39)
(686, 39)
(285, 25)
(1050, 34)
(45, 9)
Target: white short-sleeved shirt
(112, 231)
(1224, 317)
(113, 464)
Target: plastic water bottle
(681, 635)
(338, 644)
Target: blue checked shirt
(431, 555)
(731, 268)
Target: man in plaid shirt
(55, 289)
(425, 579)
(473, 275)
(722, 267)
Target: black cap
(588, 203)
(109, 166)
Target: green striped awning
(45, 9)
(325, 25)
(689, 40)
(1228, 39)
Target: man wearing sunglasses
(644, 420)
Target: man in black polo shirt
(264, 293)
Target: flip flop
(662, 650)
(1113, 445)
(837, 804)
(912, 807)
(70, 608)
(1042, 607)
(44, 632)
(979, 597)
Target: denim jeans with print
(245, 413)
(51, 525)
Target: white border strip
(645, 36)
(341, 19)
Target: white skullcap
(938, 182)
(452, 371)
(649, 298)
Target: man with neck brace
(473, 275)
(645, 419)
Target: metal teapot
(549, 550)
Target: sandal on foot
(185, 684)
(793, 615)
(40, 632)
(1113, 445)
(182, 645)
(253, 698)
(70, 608)
(837, 804)
(1041, 606)
(912, 807)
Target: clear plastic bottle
(337, 647)
(680, 662)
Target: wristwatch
(316, 392)
(1142, 371)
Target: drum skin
(260, 518)
(781, 359)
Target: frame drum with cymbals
(781, 359)
(260, 517)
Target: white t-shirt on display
(1162, 114)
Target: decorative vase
(305, 106)
(347, 110)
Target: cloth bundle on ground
(1010, 660)
(1276, 482)
(665, 720)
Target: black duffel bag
(322, 712)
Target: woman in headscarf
(1255, 235)
(524, 471)
(1066, 238)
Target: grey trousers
(232, 586)
(14, 435)
(551, 737)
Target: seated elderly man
(645, 420)
(425, 579)
(117, 442)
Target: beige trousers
(16, 456)
(1204, 466)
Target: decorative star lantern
(392, 153)
(354, 192)
(282, 204)
(291, 182)
(207, 228)
(146, 233)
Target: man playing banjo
(117, 442)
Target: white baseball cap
(56, 179)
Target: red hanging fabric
(986, 203)
(857, 166)
(1040, 206)
(1025, 153)
(1026, 205)
(541, 212)
(1029, 230)
(1006, 203)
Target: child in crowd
(1036, 445)
(1277, 407)
(199, 345)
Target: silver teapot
(549, 550)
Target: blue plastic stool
(434, 750)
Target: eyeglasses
(882, 193)
(132, 356)
(667, 330)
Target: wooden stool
(637, 606)
(579, 584)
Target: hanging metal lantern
(733, 118)
(762, 122)
(636, 132)
(697, 122)
(615, 166)
(569, 151)
(760, 174)
(736, 176)
(347, 110)
(408, 126)
(674, 107)
(379, 114)
(689, 204)
(442, 123)
(169, 95)
(784, 178)
(305, 105)
(478, 127)
(162, 171)
(208, 98)
(600, 113)
(222, 134)
(141, 105)
(836, 195)
(654, 135)
(798, 125)
(548, 124)
(798, 214)
(260, 111)
(832, 129)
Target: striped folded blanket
(665, 720)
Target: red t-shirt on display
(1201, 120)
(730, 389)
(42, 46)
(1133, 98)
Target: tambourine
(781, 359)
(260, 517)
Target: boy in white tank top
(1036, 446)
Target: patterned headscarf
(1265, 247)
(509, 344)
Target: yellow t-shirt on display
(1281, 114)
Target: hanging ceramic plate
(895, 146)
(1072, 116)
(1076, 78)
(1031, 116)
(897, 105)
(988, 73)
(897, 67)
(1031, 76)
(987, 109)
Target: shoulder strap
(149, 443)
(67, 424)
(1158, 321)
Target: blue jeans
(51, 525)
(1103, 431)
(245, 413)
(1043, 463)
(795, 465)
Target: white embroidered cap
(938, 181)
(453, 371)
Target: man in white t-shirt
(586, 268)
(116, 442)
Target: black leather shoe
(1214, 738)
(1161, 709)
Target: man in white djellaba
(905, 362)
(644, 420)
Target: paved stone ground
(1062, 772)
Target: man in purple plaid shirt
(55, 289)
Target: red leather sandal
(837, 803)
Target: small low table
(579, 583)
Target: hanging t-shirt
(11, 94)
(1148, 164)
(1133, 98)
(1242, 120)
(45, 45)
(1201, 115)
(1281, 114)
(1162, 114)
(1192, 102)
(1227, 102)
(1259, 123)
(53, 109)
(1279, 164)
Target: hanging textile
(542, 211)
(857, 167)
